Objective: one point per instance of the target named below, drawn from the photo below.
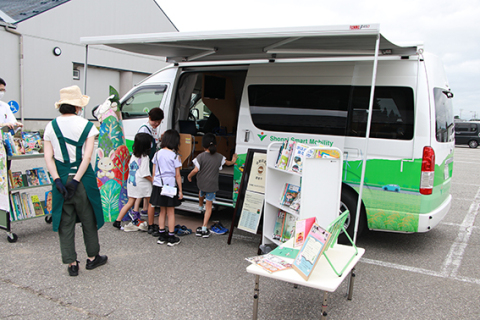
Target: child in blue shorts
(207, 165)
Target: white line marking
(454, 257)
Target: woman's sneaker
(173, 241)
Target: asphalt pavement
(433, 275)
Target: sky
(447, 29)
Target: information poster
(256, 181)
(251, 211)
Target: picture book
(32, 141)
(13, 209)
(37, 206)
(42, 176)
(48, 202)
(326, 154)
(17, 179)
(19, 146)
(278, 228)
(289, 194)
(32, 177)
(302, 228)
(270, 262)
(26, 205)
(8, 146)
(30, 204)
(288, 227)
(284, 157)
(18, 208)
(295, 206)
(297, 157)
(311, 251)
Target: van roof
(274, 43)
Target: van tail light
(428, 171)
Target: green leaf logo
(261, 136)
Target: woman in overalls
(69, 143)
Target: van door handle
(247, 135)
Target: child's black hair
(209, 142)
(66, 108)
(155, 114)
(171, 140)
(142, 144)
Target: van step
(189, 206)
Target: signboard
(13, 106)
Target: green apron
(64, 168)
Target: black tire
(48, 219)
(473, 143)
(349, 202)
(13, 238)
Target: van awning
(299, 42)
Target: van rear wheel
(473, 143)
(349, 202)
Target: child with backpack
(207, 165)
(139, 183)
(166, 171)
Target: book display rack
(314, 182)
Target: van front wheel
(473, 143)
(349, 202)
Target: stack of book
(29, 143)
(32, 177)
(24, 205)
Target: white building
(41, 51)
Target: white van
(313, 85)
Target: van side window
(332, 110)
(444, 115)
(140, 102)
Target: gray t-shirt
(208, 167)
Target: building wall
(45, 74)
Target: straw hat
(73, 96)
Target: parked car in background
(467, 133)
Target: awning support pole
(367, 135)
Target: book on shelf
(24, 205)
(16, 179)
(8, 144)
(42, 175)
(290, 192)
(278, 228)
(311, 251)
(47, 208)
(16, 206)
(32, 177)
(32, 141)
(284, 227)
(270, 263)
(284, 155)
(297, 157)
(37, 205)
(302, 228)
(19, 146)
(288, 227)
(295, 206)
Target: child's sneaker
(215, 229)
(221, 228)
(199, 232)
(206, 233)
(117, 224)
(130, 227)
(173, 241)
(142, 226)
(162, 238)
(152, 228)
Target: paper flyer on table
(251, 211)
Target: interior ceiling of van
(303, 42)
